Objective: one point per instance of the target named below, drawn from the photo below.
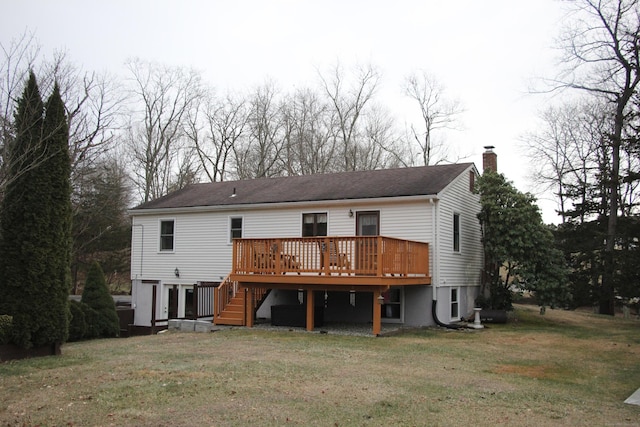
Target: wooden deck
(355, 260)
(342, 263)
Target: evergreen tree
(35, 223)
(57, 167)
(24, 222)
(101, 227)
(518, 248)
(78, 323)
(96, 296)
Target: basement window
(455, 304)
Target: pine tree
(96, 296)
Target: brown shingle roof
(415, 181)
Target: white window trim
(230, 218)
(175, 232)
(457, 289)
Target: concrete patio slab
(634, 399)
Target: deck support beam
(310, 310)
(248, 307)
(377, 313)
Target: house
(397, 245)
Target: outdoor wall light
(350, 213)
(176, 272)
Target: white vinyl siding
(202, 249)
(463, 268)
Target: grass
(563, 368)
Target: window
(456, 232)
(235, 228)
(392, 304)
(455, 311)
(367, 223)
(167, 235)
(314, 224)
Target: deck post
(154, 299)
(248, 307)
(377, 313)
(310, 310)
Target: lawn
(563, 368)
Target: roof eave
(280, 205)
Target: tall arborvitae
(34, 223)
(22, 223)
(57, 168)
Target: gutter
(279, 205)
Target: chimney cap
(489, 148)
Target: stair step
(234, 311)
(233, 314)
(229, 321)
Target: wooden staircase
(230, 303)
(233, 312)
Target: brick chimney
(489, 159)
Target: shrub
(6, 323)
(78, 325)
(104, 323)
(92, 317)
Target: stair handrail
(223, 295)
(227, 290)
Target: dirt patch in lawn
(537, 372)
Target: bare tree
(92, 100)
(214, 130)
(310, 145)
(18, 57)
(566, 153)
(162, 97)
(437, 113)
(603, 58)
(349, 101)
(379, 146)
(260, 154)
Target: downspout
(436, 270)
(141, 244)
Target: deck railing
(227, 291)
(357, 255)
(223, 295)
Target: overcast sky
(485, 52)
